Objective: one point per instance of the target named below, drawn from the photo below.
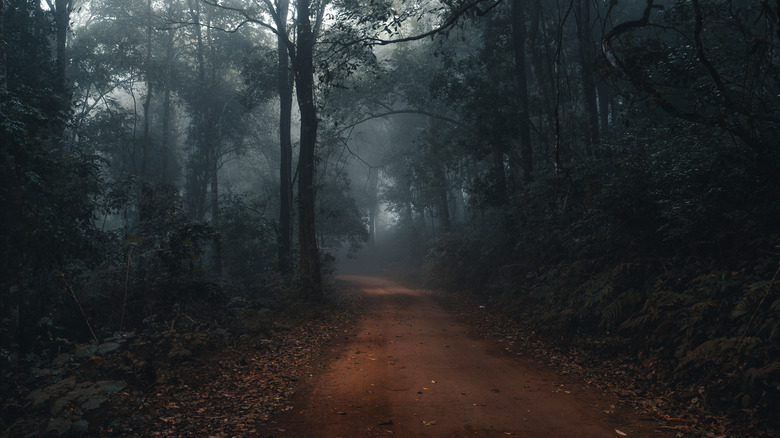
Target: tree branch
(402, 111)
(623, 27)
(473, 6)
(254, 20)
(697, 28)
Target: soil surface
(409, 368)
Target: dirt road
(410, 369)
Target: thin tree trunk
(145, 141)
(373, 181)
(62, 21)
(581, 15)
(499, 175)
(12, 220)
(433, 223)
(3, 62)
(408, 210)
(521, 83)
(285, 90)
(540, 59)
(604, 98)
(215, 213)
(166, 125)
(213, 142)
(199, 167)
(442, 191)
(166, 83)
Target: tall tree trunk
(166, 132)
(198, 172)
(540, 60)
(61, 10)
(3, 62)
(373, 181)
(285, 90)
(303, 64)
(215, 212)
(442, 192)
(166, 125)
(12, 227)
(584, 43)
(61, 21)
(499, 175)
(408, 210)
(146, 140)
(166, 85)
(604, 98)
(433, 222)
(213, 142)
(521, 84)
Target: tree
(671, 65)
(48, 207)
(3, 68)
(146, 136)
(584, 44)
(519, 40)
(62, 10)
(360, 24)
(285, 91)
(303, 67)
(167, 85)
(301, 53)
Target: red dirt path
(410, 369)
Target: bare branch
(766, 41)
(698, 25)
(623, 27)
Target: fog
(605, 169)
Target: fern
(703, 306)
(641, 319)
(712, 350)
(611, 313)
(600, 296)
(754, 376)
(746, 306)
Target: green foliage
(28, 35)
(248, 240)
(259, 72)
(50, 189)
(664, 246)
(339, 220)
(164, 252)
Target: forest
(183, 177)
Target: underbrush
(702, 340)
(667, 259)
(112, 385)
(126, 312)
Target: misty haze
(359, 218)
